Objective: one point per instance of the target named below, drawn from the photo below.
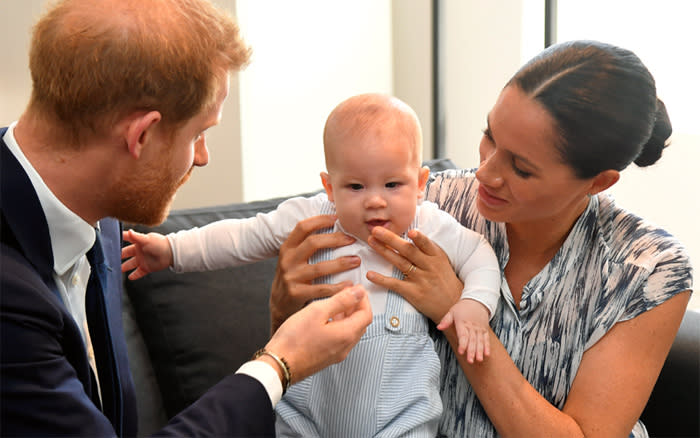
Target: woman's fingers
(308, 226)
(306, 273)
(302, 242)
(432, 286)
(402, 253)
(393, 247)
(424, 244)
(293, 285)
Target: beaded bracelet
(286, 372)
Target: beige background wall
(310, 54)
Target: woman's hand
(292, 287)
(432, 286)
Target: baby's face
(374, 180)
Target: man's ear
(139, 130)
(326, 180)
(423, 175)
(603, 181)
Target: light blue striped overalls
(387, 387)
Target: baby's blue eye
(355, 186)
(392, 185)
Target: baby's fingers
(479, 347)
(446, 321)
(129, 264)
(128, 251)
(128, 235)
(486, 346)
(475, 349)
(135, 237)
(472, 345)
(464, 335)
(138, 273)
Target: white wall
(16, 19)
(220, 181)
(485, 48)
(413, 72)
(482, 46)
(665, 39)
(217, 183)
(309, 55)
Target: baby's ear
(326, 181)
(423, 175)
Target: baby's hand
(471, 321)
(148, 253)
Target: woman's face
(522, 177)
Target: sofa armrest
(149, 402)
(673, 410)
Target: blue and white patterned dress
(612, 267)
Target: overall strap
(395, 318)
(324, 254)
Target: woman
(592, 295)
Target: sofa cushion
(199, 327)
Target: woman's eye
(487, 134)
(521, 173)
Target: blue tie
(96, 313)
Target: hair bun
(654, 147)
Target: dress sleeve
(645, 267)
(671, 274)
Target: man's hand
(322, 333)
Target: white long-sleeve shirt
(234, 242)
(409, 399)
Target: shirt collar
(71, 236)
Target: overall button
(394, 321)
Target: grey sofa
(187, 331)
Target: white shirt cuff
(265, 374)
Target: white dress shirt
(71, 238)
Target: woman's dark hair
(604, 102)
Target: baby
(389, 383)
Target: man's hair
(93, 62)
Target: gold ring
(411, 269)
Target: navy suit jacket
(47, 386)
